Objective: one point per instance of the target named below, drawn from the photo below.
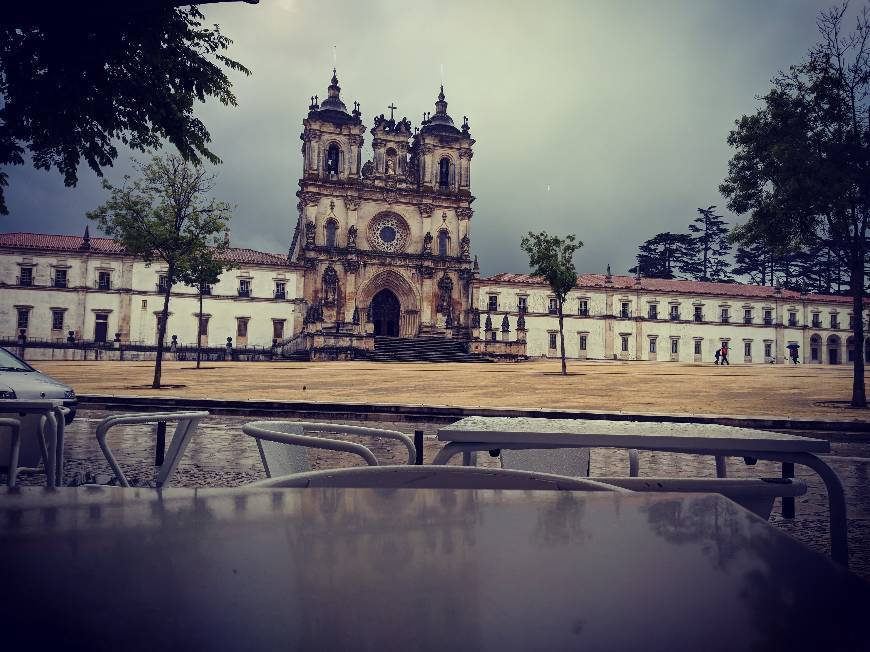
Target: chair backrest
(283, 444)
(561, 461)
(435, 477)
(280, 458)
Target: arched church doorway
(385, 313)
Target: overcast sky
(620, 108)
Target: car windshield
(9, 362)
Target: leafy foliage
(79, 78)
(552, 258)
(166, 215)
(801, 169)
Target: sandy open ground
(673, 388)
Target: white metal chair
(434, 477)
(283, 444)
(755, 494)
(186, 425)
(38, 431)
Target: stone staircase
(422, 349)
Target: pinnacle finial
(441, 94)
(334, 79)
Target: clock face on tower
(388, 232)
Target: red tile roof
(739, 290)
(73, 244)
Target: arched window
(333, 155)
(443, 243)
(444, 173)
(331, 230)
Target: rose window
(388, 232)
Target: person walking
(718, 353)
(723, 357)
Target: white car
(19, 380)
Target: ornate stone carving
(389, 196)
(465, 153)
(465, 247)
(428, 149)
(425, 271)
(352, 203)
(475, 317)
(330, 284)
(505, 324)
(388, 232)
(310, 263)
(351, 237)
(487, 325)
(309, 233)
(466, 274)
(356, 140)
(427, 244)
(445, 292)
(350, 265)
(368, 170)
(378, 142)
(310, 198)
(464, 213)
(425, 210)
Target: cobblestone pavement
(220, 455)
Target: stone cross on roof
(392, 108)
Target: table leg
(788, 501)
(58, 464)
(721, 467)
(50, 429)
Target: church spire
(333, 99)
(86, 239)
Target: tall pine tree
(708, 250)
(660, 256)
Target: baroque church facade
(385, 245)
(382, 249)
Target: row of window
(333, 163)
(674, 312)
(60, 278)
(244, 289)
(58, 323)
(241, 326)
(653, 345)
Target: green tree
(706, 254)
(78, 77)
(552, 258)
(660, 256)
(164, 215)
(801, 170)
(200, 270)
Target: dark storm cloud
(621, 108)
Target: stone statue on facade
(445, 289)
(309, 233)
(368, 169)
(391, 167)
(476, 317)
(330, 284)
(465, 247)
(427, 244)
(351, 237)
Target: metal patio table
(106, 568)
(473, 434)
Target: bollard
(418, 446)
(787, 501)
(161, 443)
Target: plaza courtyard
(814, 392)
